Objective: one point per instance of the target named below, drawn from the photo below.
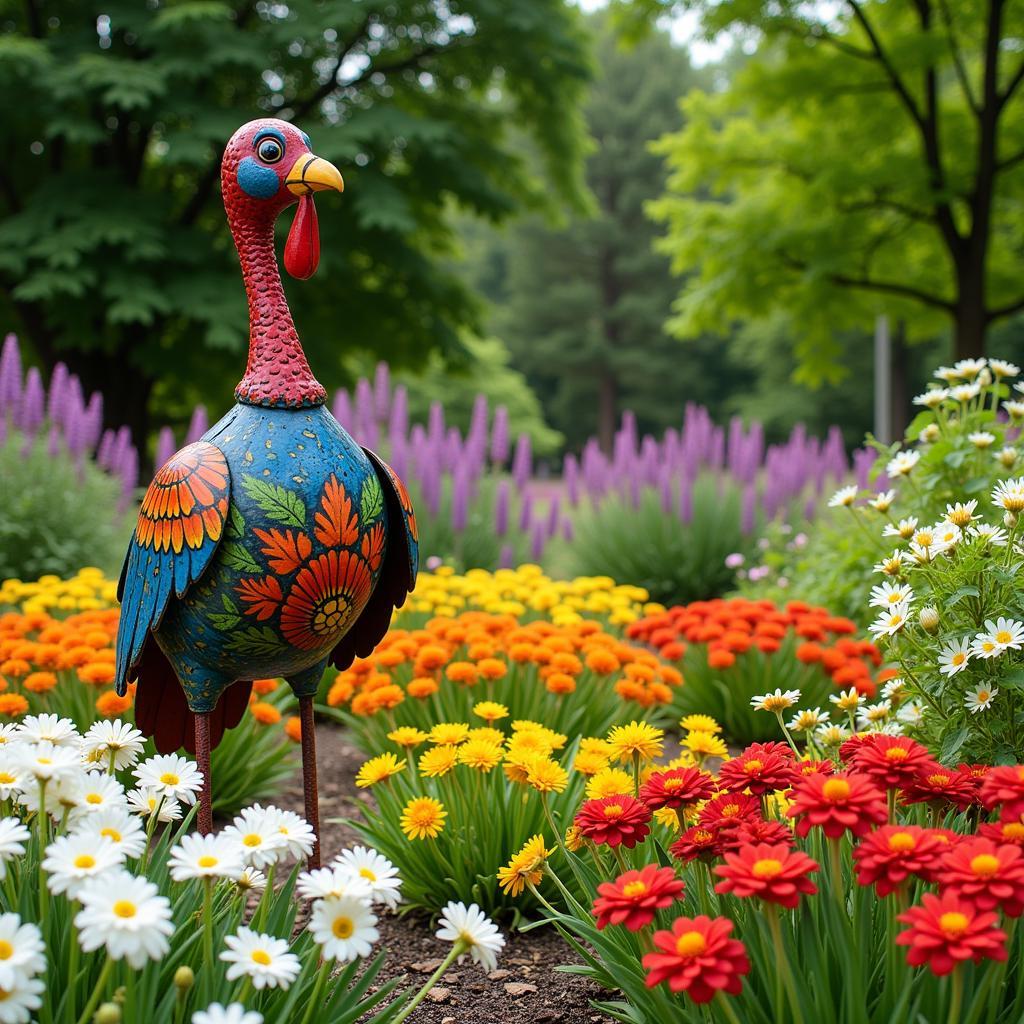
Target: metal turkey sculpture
(275, 545)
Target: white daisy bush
(113, 908)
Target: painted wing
(397, 575)
(180, 526)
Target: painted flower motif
(635, 896)
(324, 599)
(697, 957)
(944, 931)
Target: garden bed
(524, 988)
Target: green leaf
(236, 522)
(952, 742)
(237, 558)
(259, 641)
(960, 594)
(229, 605)
(371, 502)
(225, 622)
(280, 504)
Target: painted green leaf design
(236, 522)
(225, 622)
(371, 501)
(259, 641)
(229, 605)
(237, 558)
(280, 504)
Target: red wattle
(302, 250)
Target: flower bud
(1010, 520)
(929, 619)
(184, 978)
(108, 1013)
(929, 434)
(1007, 457)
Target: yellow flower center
(367, 874)
(753, 765)
(1013, 830)
(84, 860)
(691, 944)
(613, 810)
(1004, 636)
(124, 908)
(261, 956)
(6, 950)
(959, 658)
(6, 778)
(981, 696)
(985, 865)
(342, 927)
(252, 839)
(902, 842)
(207, 861)
(767, 868)
(702, 836)
(730, 810)
(633, 889)
(111, 833)
(45, 760)
(170, 779)
(954, 924)
(93, 798)
(896, 754)
(671, 785)
(938, 779)
(835, 790)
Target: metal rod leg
(203, 759)
(309, 786)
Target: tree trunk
(900, 413)
(969, 320)
(607, 411)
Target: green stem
(722, 1003)
(97, 992)
(957, 997)
(457, 950)
(73, 953)
(44, 830)
(782, 960)
(209, 962)
(318, 991)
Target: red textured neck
(277, 374)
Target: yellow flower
(684, 760)
(490, 711)
(704, 744)
(408, 736)
(699, 723)
(587, 763)
(554, 740)
(488, 734)
(480, 754)
(610, 782)
(667, 817)
(377, 769)
(546, 776)
(525, 868)
(449, 732)
(638, 739)
(526, 744)
(438, 761)
(423, 818)
(596, 745)
(573, 838)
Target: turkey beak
(313, 174)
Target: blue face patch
(305, 139)
(272, 133)
(256, 180)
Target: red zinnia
(696, 842)
(1003, 831)
(944, 932)
(988, 875)
(937, 784)
(776, 874)
(634, 896)
(1004, 785)
(890, 761)
(761, 768)
(888, 856)
(677, 787)
(756, 831)
(698, 957)
(728, 810)
(837, 803)
(614, 820)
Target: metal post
(883, 380)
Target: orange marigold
(340, 692)
(293, 728)
(430, 658)
(109, 705)
(521, 652)
(264, 713)
(264, 686)
(386, 696)
(492, 668)
(560, 683)
(462, 672)
(602, 662)
(364, 704)
(15, 667)
(39, 682)
(98, 673)
(422, 687)
(12, 704)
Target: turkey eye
(270, 151)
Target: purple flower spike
(33, 404)
(526, 513)
(341, 408)
(10, 376)
(198, 425)
(398, 417)
(538, 541)
(522, 461)
(53, 445)
(165, 446)
(500, 436)
(501, 503)
(460, 499)
(507, 557)
(382, 390)
(56, 407)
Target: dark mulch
(525, 988)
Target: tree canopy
(868, 158)
(114, 252)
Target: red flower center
(985, 865)
(902, 842)
(767, 868)
(836, 790)
(691, 944)
(633, 889)
(953, 924)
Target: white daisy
(375, 869)
(946, 537)
(63, 794)
(832, 735)
(947, 373)
(980, 698)
(11, 777)
(262, 958)
(895, 689)
(969, 368)
(902, 464)
(1007, 457)
(904, 529)
(22, 950)
(251, 880)
(928, 618)
(844, 497)
(171, 775)
(212, 856)
(45, 762)
(20, 1000)
(99, 792)
(105, 738)
(882, 501)
(965, 392)
(1001, 368)
(148, 802)
(127, 915)
(124, 830)
(874, 714)
(9, 733)
(73, 860)
(344, 928)
(911, 713)
(925, 537)
(846, 700)
(1006, 634)
(995, 536)
(235, 1013)
(932, 398)
(333, 881)
(1015, 410)
(470, 929)
(777, 702)
(889, 594)
(13, 837)
(890, 621)
(1009, 495)
(298, 834)
(257, 836)
(891, 566)
(61, 732)
(961, 513)
(808, 719)
(981, 439)
(954, 657)
(929, 433)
